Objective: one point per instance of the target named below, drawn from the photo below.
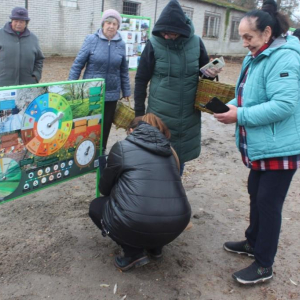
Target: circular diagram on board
(47, 124)
(85, 152)
(10, 176)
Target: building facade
(61, 25)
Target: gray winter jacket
(104, 59)
(20, 57)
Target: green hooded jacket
(174, 82)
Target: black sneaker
(253, 274)
(242, 247)
(126, 263)
(155, 253)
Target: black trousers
(109, 111)
(267, 190)
(95, 213)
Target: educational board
(135, 32)
(49, 133)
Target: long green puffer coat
(172, 92)
(172, 67)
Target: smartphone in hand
(216, 106)
(217, 63)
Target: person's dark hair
(152, 120)
(269, 16)
(134, 123)
(155, 121)
(297, 33)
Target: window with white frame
(69, 3)
(234, 31)
(189, 11)
(211, 26)
(131, 8)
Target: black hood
(172, 19)
(151, 139)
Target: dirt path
(50, 249)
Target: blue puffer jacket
(103, 59)
(271, 101)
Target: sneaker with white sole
(242, 247)
(253, 274)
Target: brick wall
(61, 28)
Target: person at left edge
(21, 58)
(103, 55)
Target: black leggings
(109, 111)
(267, 190)
(95, 213)
(96, 210)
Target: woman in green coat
(171, 61)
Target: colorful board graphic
(47, 124)
(49, 133)
(10, 175)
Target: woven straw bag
(123, 116)
(208, 89)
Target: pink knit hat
(111, 13)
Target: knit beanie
(111, 13)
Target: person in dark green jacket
(21, 59)
(171, 60)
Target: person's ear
(267, 34)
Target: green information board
(49, 133)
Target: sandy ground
(50, 249)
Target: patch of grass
(80, 108)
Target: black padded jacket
(147, 204)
